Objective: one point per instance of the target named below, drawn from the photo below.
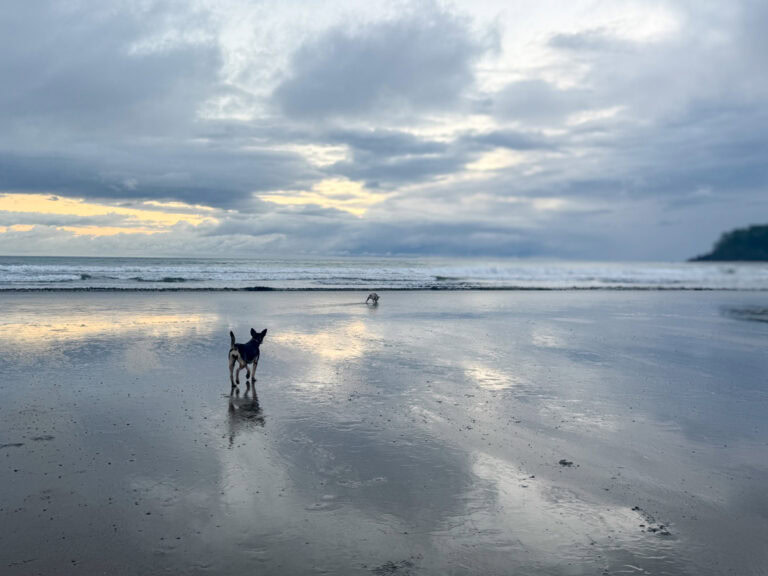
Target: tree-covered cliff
(740, 244)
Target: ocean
(369, 273)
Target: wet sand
(438, 433)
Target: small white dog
(373, 297)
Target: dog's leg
(253, 373)
(231, 370)
(240, 367)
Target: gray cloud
(384, 142)
(387, 158)
(447, 238)
(420, 60)
(594, 40)
(511, 139)
(539, 102)
(331, 233)
(80, 66)
(193, 174)
(104, 104)
(393, 170)
(28, 218)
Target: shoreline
(390, 289)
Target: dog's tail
(232, 340)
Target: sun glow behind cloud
(335, 193)
(497, 159)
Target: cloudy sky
(611, 129)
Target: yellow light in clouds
(314, 154)
(178, 205)
(549, 204)
(592, 115)
(108, 230)
(496, 160)
(17, 228)
(140, 221)
(335, 193)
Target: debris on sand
(402, 568)
(650, 523)
(43, 438)
(12, 445)
(564, 462)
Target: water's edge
(395, 289)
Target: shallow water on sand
(438, 433)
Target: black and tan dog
(243, 355)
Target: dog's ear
(253, 333)
(263, 333)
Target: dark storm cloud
(45, 174)
(197, 175)
(421, 60)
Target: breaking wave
(37, 273)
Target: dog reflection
(244, 414)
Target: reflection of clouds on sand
(88, 331)
(345, 342)
(425, 415)
(546, 337)
(514, 512)
(577, 415)
(406, 434)
(293, 501)
(77, 325)
(491, 379)
(141, 357)
(330, 351)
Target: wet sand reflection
(425, 438)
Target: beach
(440, 432)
